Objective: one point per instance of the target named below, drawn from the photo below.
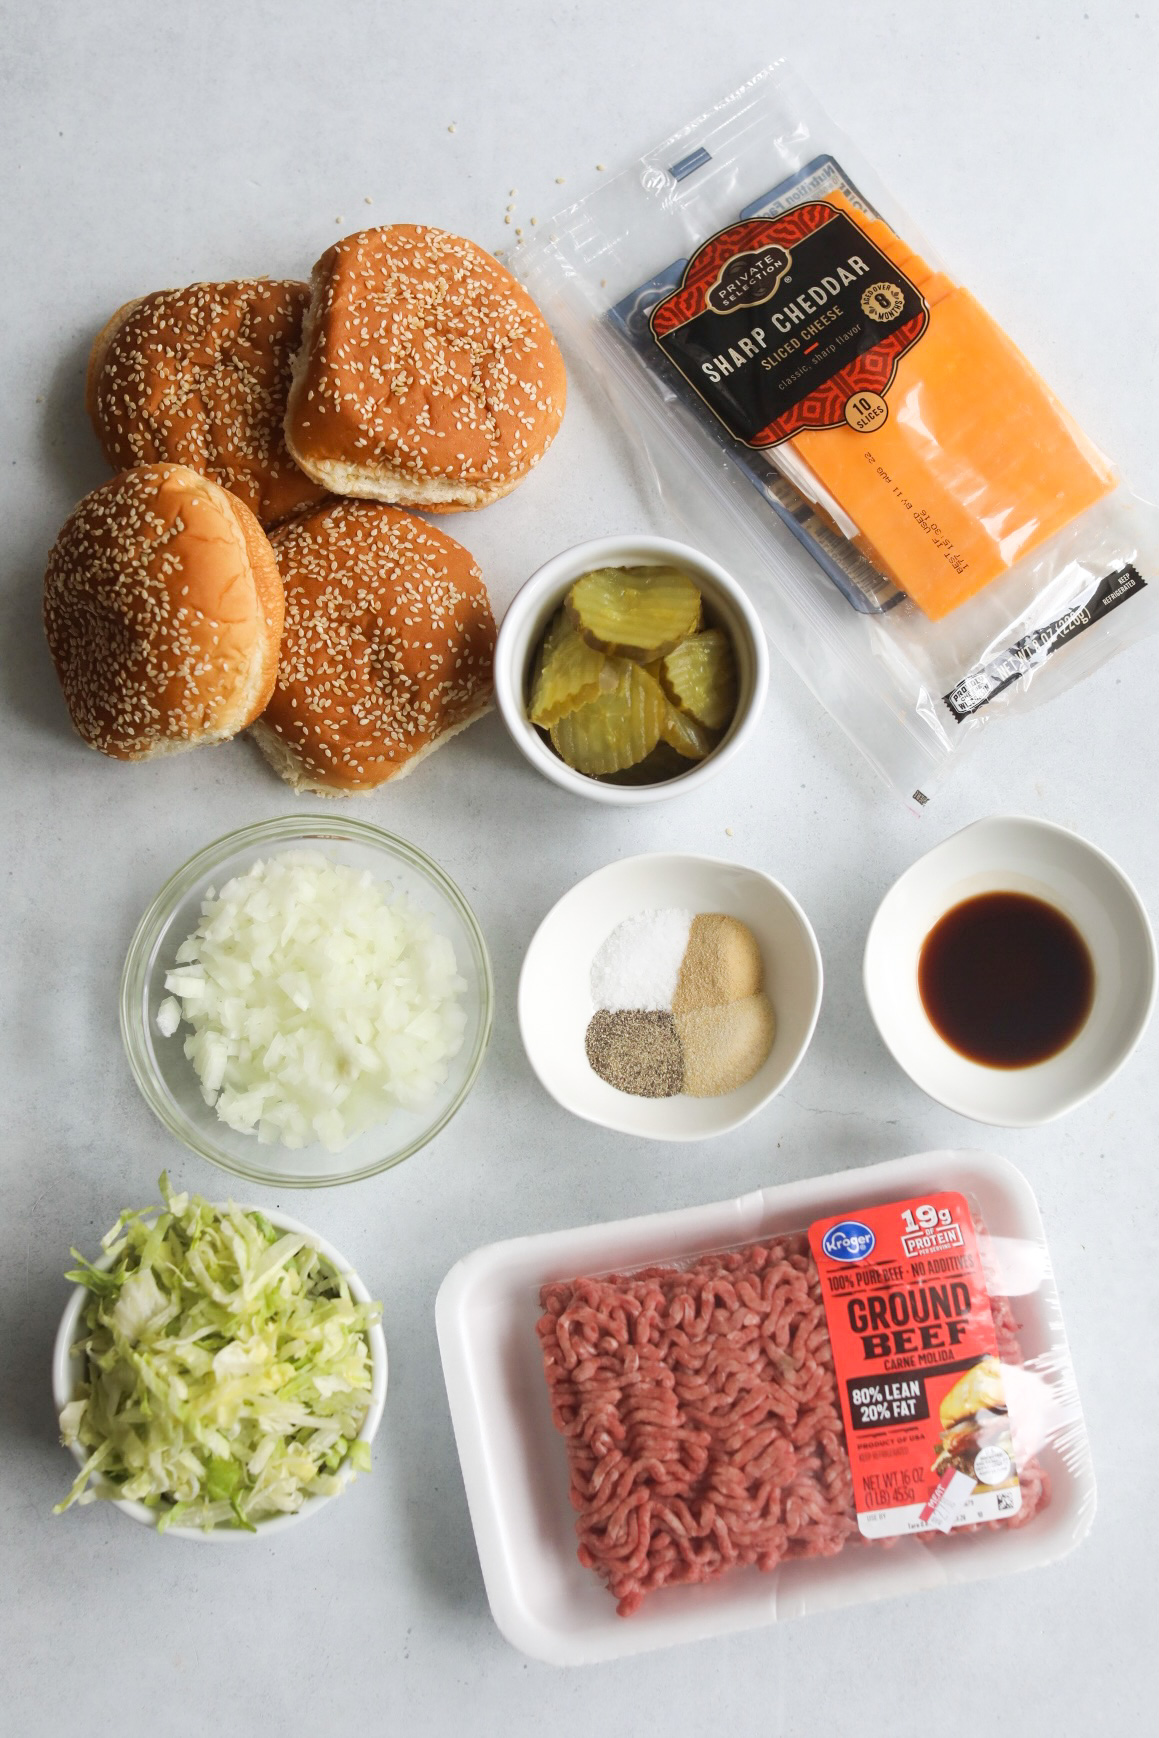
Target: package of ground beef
(860, 1388)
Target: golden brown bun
(426, 377)
(97, 355)
(163, 609)
(387, 647)
(199, 377)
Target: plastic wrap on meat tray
(707, 1419)
(721, 1494)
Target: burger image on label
(975, 1435)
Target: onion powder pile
(319, 1003)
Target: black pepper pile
(636, 1050)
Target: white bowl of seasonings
(727, 610)
(1011, 971)
(670, 996)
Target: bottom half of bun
(289, 764)
(380, 482)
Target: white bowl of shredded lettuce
(219, 1373)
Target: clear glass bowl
(166, 1077)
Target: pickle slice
(634, 612)
(568, 673)
(699, 676)
(656, 768)
(687, 735)
(616, 731)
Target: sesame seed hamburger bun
(426, 377)
(163, 610)
(199, 377)
(387, 647)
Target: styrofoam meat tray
(515, 1464)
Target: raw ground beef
(702, 1419)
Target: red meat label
(917, 1367)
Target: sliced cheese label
(817, 332)
(779, 322)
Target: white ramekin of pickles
(630, 669)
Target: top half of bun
(199, 377)
(426, 377)
(387, 650)
(163, 607)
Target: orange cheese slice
(976, 463)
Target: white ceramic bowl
(537, 602)
(1014, 853)
(555, 1002)
(67, 1374)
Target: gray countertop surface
(152, 144)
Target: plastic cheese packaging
(835, 1390)
(929, 536)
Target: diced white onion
(319, 1003)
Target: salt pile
(638, 966)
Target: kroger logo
(849, 1241)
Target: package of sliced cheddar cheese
(930, 537)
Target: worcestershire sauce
(1006, 979)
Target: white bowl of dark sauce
(1011, 971)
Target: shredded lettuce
(227, 1369)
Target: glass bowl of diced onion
(277, 1148)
